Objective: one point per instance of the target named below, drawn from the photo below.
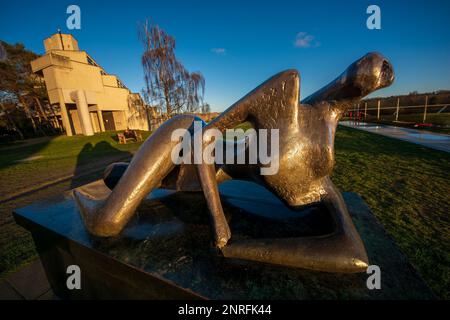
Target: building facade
(89, 100)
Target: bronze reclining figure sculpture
(306, 159)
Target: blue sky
(256, 39)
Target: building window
(120, 84)
(91, 62)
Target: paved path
(29, 283)
(428, 139)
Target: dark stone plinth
(166, 251)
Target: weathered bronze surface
(306, 159)
(165, 252)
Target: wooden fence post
(378, 111)
(398, 109)
(357, 114)
(425, 109)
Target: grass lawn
(435, 118)
(55, 157)
(405, 185)
(49, 158)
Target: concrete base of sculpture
(166, 252)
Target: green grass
(59, 156)
(56, 157)
(435, 118)
(407, 188)
(405, 185)
(66, 147)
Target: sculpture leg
(207, 175)
(108, 214)
(341, 251)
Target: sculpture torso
(306, 155)
(306, 131)
(306, 140)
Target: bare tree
(168, 84)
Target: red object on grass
(426, 125)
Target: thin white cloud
(305, 40)
(219, 51)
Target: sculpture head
(362, 77)
(370, 73)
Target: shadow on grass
(90, 158)
(93, 159)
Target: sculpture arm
(207, 175)
(271, 97)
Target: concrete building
(88, 98)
